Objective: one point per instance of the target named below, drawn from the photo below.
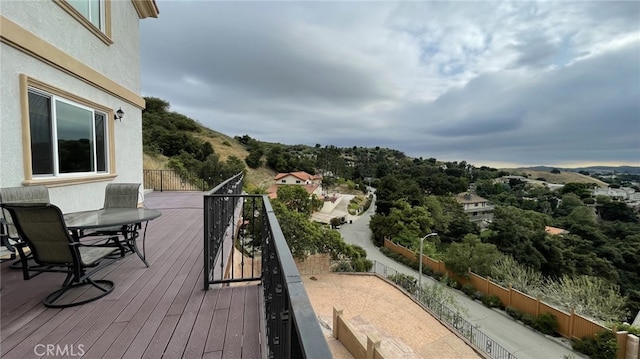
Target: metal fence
(453, 318)
(170, 180)
(246, 224)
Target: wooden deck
(160, 311)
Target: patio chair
(10, 238)
(120, 195)
(42, 227)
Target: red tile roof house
(312, 183)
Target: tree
(471, 253)
(295, 198)
(590, 296)
(617, 211)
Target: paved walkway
(374, 307)
(519, 340)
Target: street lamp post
(420, 263)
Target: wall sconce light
(118, 115)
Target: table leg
(131, 234)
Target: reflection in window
(78, 132)
(90, 9)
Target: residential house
(69, 70)
(312, 183)
(555, 231)
(478, 209)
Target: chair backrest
(30, 194)
(121, 195)
(42, 227)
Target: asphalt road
(518, 339)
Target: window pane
(81, 5)
(75, 138)
(40, 126)
(90, 9)
(101, 146)
(95, 13)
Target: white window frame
(54, 100)
(90, 5)
(28, 84)
(103, 31)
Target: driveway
(519, 340)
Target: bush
(528, 319)
(602, 346)
(408, 283)
(343, 266)
(546, 323)
(469, 290)
(514, 313)
(491, 301)
(478, 295)
(361, 265)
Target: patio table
(125, 219)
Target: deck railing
(171, 180)
(243, 242)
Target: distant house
(477, 208)
(555, 230)
(312, 183)
(299, 178)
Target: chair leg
(106, 286)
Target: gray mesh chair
(43, 228)
(10, 238)
(121, 195)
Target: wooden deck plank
(233, 334)
(215, 339)
(197, 340)
(152, 312)
(251, 330)
(144, 312)
(160, 340)
(180, 338)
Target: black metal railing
(243, 242)
(171, 180)
(439, 310)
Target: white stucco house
(67, 67)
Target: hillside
(562, 178)
(225, 147)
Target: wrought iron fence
(246, 224)
(170, 180)
(438, 309)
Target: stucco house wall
(42, 41)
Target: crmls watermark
(71, 350)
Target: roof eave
(146, 8)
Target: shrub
(226, 143)
(514, 313)
(343, 266)
(361, 265)
(468, 289)
(408, 283)
(546, 323)
(528, 319)
(602, 346)
(491, 301)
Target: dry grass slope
(225, 147)
(563, 177)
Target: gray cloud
(521, 82)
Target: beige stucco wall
(119, 62)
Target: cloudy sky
(505, 83)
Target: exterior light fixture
(118, 115)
